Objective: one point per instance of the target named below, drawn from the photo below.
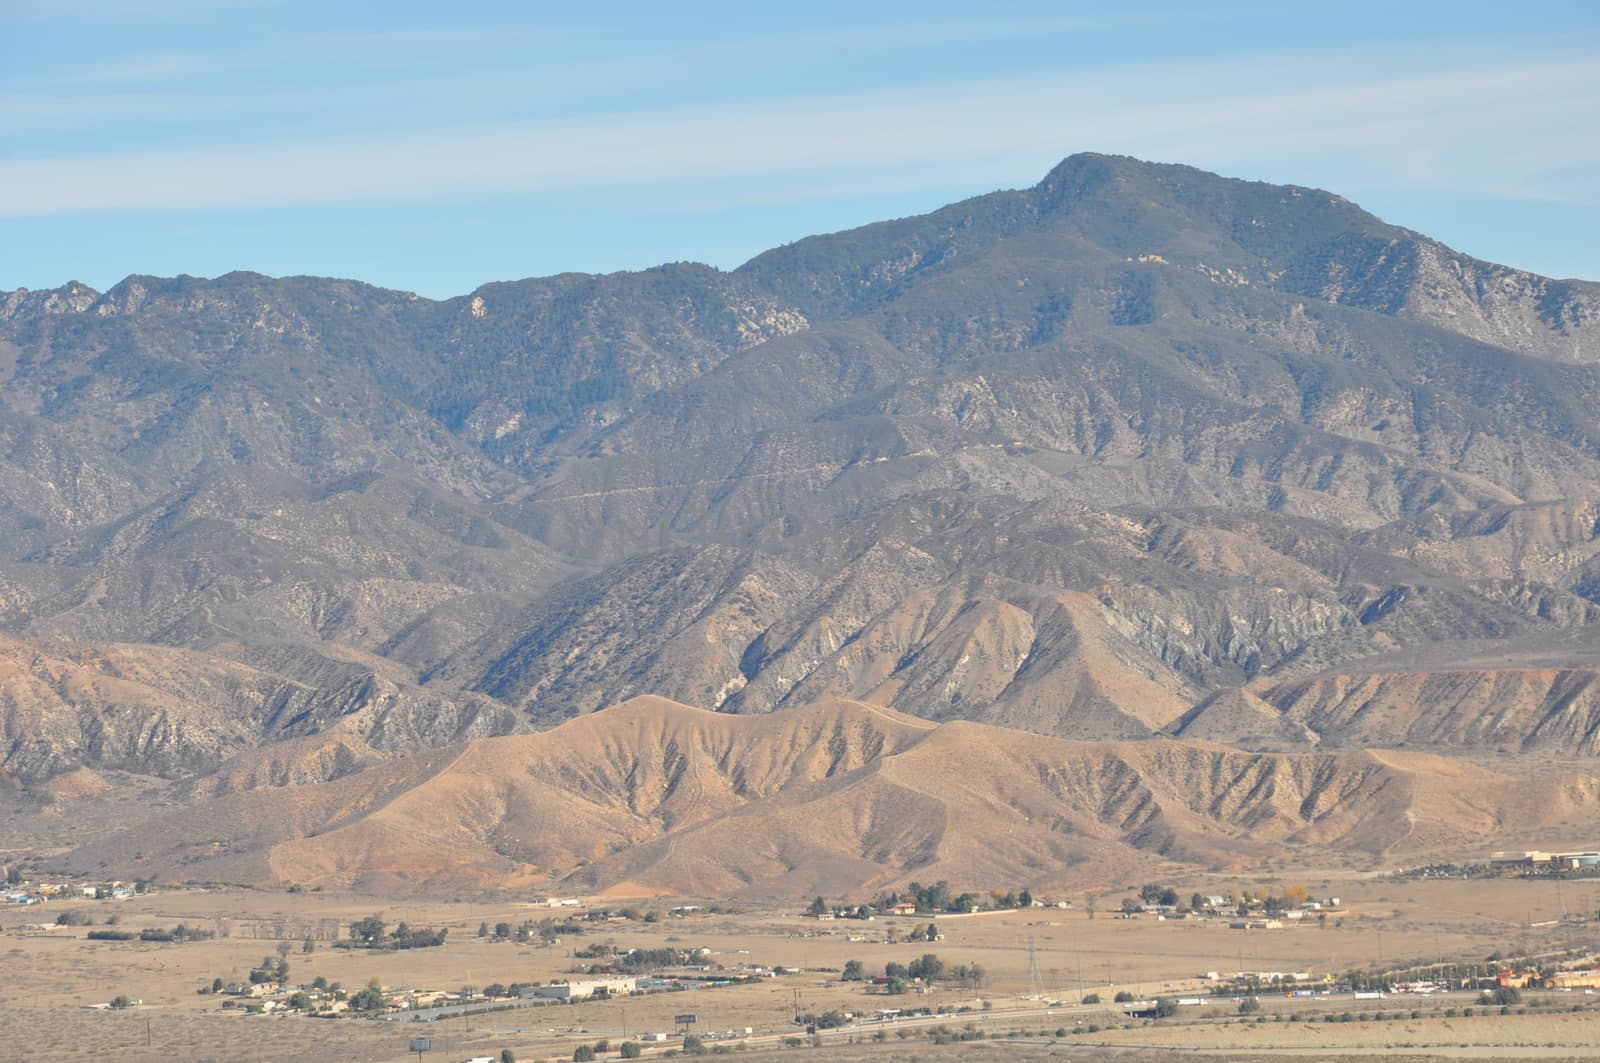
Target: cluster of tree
(369, 998)
(1011, 899)
(369, 933)
(634, 915)
(74, 917)
(938, 897)
(819, 906)
(927, 968)
(1502, 995)
(544, 930)
(944, 1035)
(319, 983)
(1154, 893)
(181, 932)
(111, 935)
(1157, 894)
(632, 961)
(270, 970)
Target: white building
(585, 989)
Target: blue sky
(434, 147)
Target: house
(903, 908)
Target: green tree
(631, 1050)
(583, 1054)
(121, 1001)
(928, 967)
(1506, 994)
(507, 1056)
(368, 999)
(818, 907)
(1249, 1006)
(852, 971)
(368, 931)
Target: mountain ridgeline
(1138, 453)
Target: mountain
(836, 797)
(1137, 454)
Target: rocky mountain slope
(836, 797)
(1136, 451)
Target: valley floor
(54, 977)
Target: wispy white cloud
(1467, 127)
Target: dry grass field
(51, 978)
